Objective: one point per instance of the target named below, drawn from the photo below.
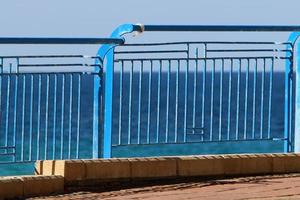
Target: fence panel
(48, 100)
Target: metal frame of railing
(107, 57)
(34, 92)
(137, 60)
(108, 52)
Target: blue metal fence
(217, 97)
(159, 98)
(168, 93)
(46, 103)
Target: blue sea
(211, 139)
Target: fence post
(97, 88)
(296, 65)
(102, 142)
(289, 68)
(287, 98)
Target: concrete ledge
(159, 167)
(11, 187)
(30, 186)
(107, 169)
(42, 185)
(103, 170)
(53, 175)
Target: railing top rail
(209, 42)
(41, 40)
(190, 28)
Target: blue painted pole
(96, 113)
(296, 65)
(102, 143)
(109, 77)
(294, 39)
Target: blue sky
(98, 18)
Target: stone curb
(103, 170)
(53, 175)
(30, 186)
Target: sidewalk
(260, 187)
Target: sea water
(86, 125)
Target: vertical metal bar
(221, 100)
(291, 112)
(176, 101)
(246, 100)
(130, 103)
(195, 88)
(204, 89)
(39, 118)
(97, 89)
(168, 100)
(293, 65)
(62, 117)
(108, 106)
(287, 97)
(78, 117)
(70, 115)
(149, 102)
(140, 104)
(31, 118)
(186, 93)
(7, 108)
(229, 100)
(121, 102)
(54, 117)
(262, 99)
(185, 101)
(238, 100)
(15, 112)
(158, 102)
(23, 119)
(270, 99)
(254, 100)
(212, 99)
(1, 92)
(46, 116)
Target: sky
(97, 18)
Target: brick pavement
(260, 187)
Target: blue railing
(181, 78)
(45, 102)
(161, 94)
(186, 96)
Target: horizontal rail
(17, 40)
(141, 52)
(249, 50)
(209, 42)
(51, 56)
(250, 28)
(35, 63)
(7, 154)
(208, 50)
(203, 142)
(8, 147)
(48, 73)
(195, 59)
(60, 65)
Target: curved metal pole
(295, 37)
(102, 142)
